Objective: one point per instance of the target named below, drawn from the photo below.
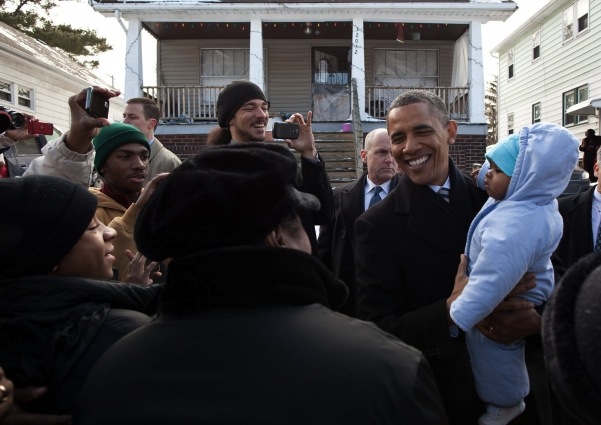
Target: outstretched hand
(141, 271)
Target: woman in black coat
(56, 316)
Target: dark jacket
(53, 329)
(315, 181)
(577, 239)
(336, 241)
(248, 337)
(408, 250)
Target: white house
(38, 80)
(306, 55)
(550, 69)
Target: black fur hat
(572, 339)
(224, 196)
(41, 219)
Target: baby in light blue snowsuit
(515, 232)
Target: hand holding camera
(285, 130)
(17, 126)
(89, 109)
(304, 142)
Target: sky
(79, 14)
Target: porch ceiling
(295, 30)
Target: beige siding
(288, 65)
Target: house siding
(288, 74)
(561, 67)
(33, 65)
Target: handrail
(191, 103)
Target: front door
(331, 84)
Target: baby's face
(496, 182)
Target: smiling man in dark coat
(409, 246)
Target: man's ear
(452, 131)
(364, 155)
(275, 238)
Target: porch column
(358, 63)
(476, 75)
(255, 65)
(133, 60)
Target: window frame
(579, 94)
(216, 80)
(580, 13)
(536, 112)
(25, 97)
(510, 123)
(536, 37)
(510, 64)
(567, 23)
(9, 90)
(408, 70)
(575, 20)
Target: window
(404, 68)
(582, 15)
(536, 112)
(575, 18)
(536, 44)
(568, 23)
(509, 123)
(6, 92)
(219, 67)
(408, 68)
(510, 64)
(25, 97)
(570, 98)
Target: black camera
(96, 105)
(11, 119)
(285, 130)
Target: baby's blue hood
(546, 159)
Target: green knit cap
(114, 135)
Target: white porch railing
(378, 99)
(187, 104)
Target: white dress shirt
(369, 191)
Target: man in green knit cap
(119, 152)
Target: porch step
(337, 149)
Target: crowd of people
(200, 292)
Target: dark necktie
(375, 197)
(444, 192)
(598, 240)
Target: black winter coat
(53, 329)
